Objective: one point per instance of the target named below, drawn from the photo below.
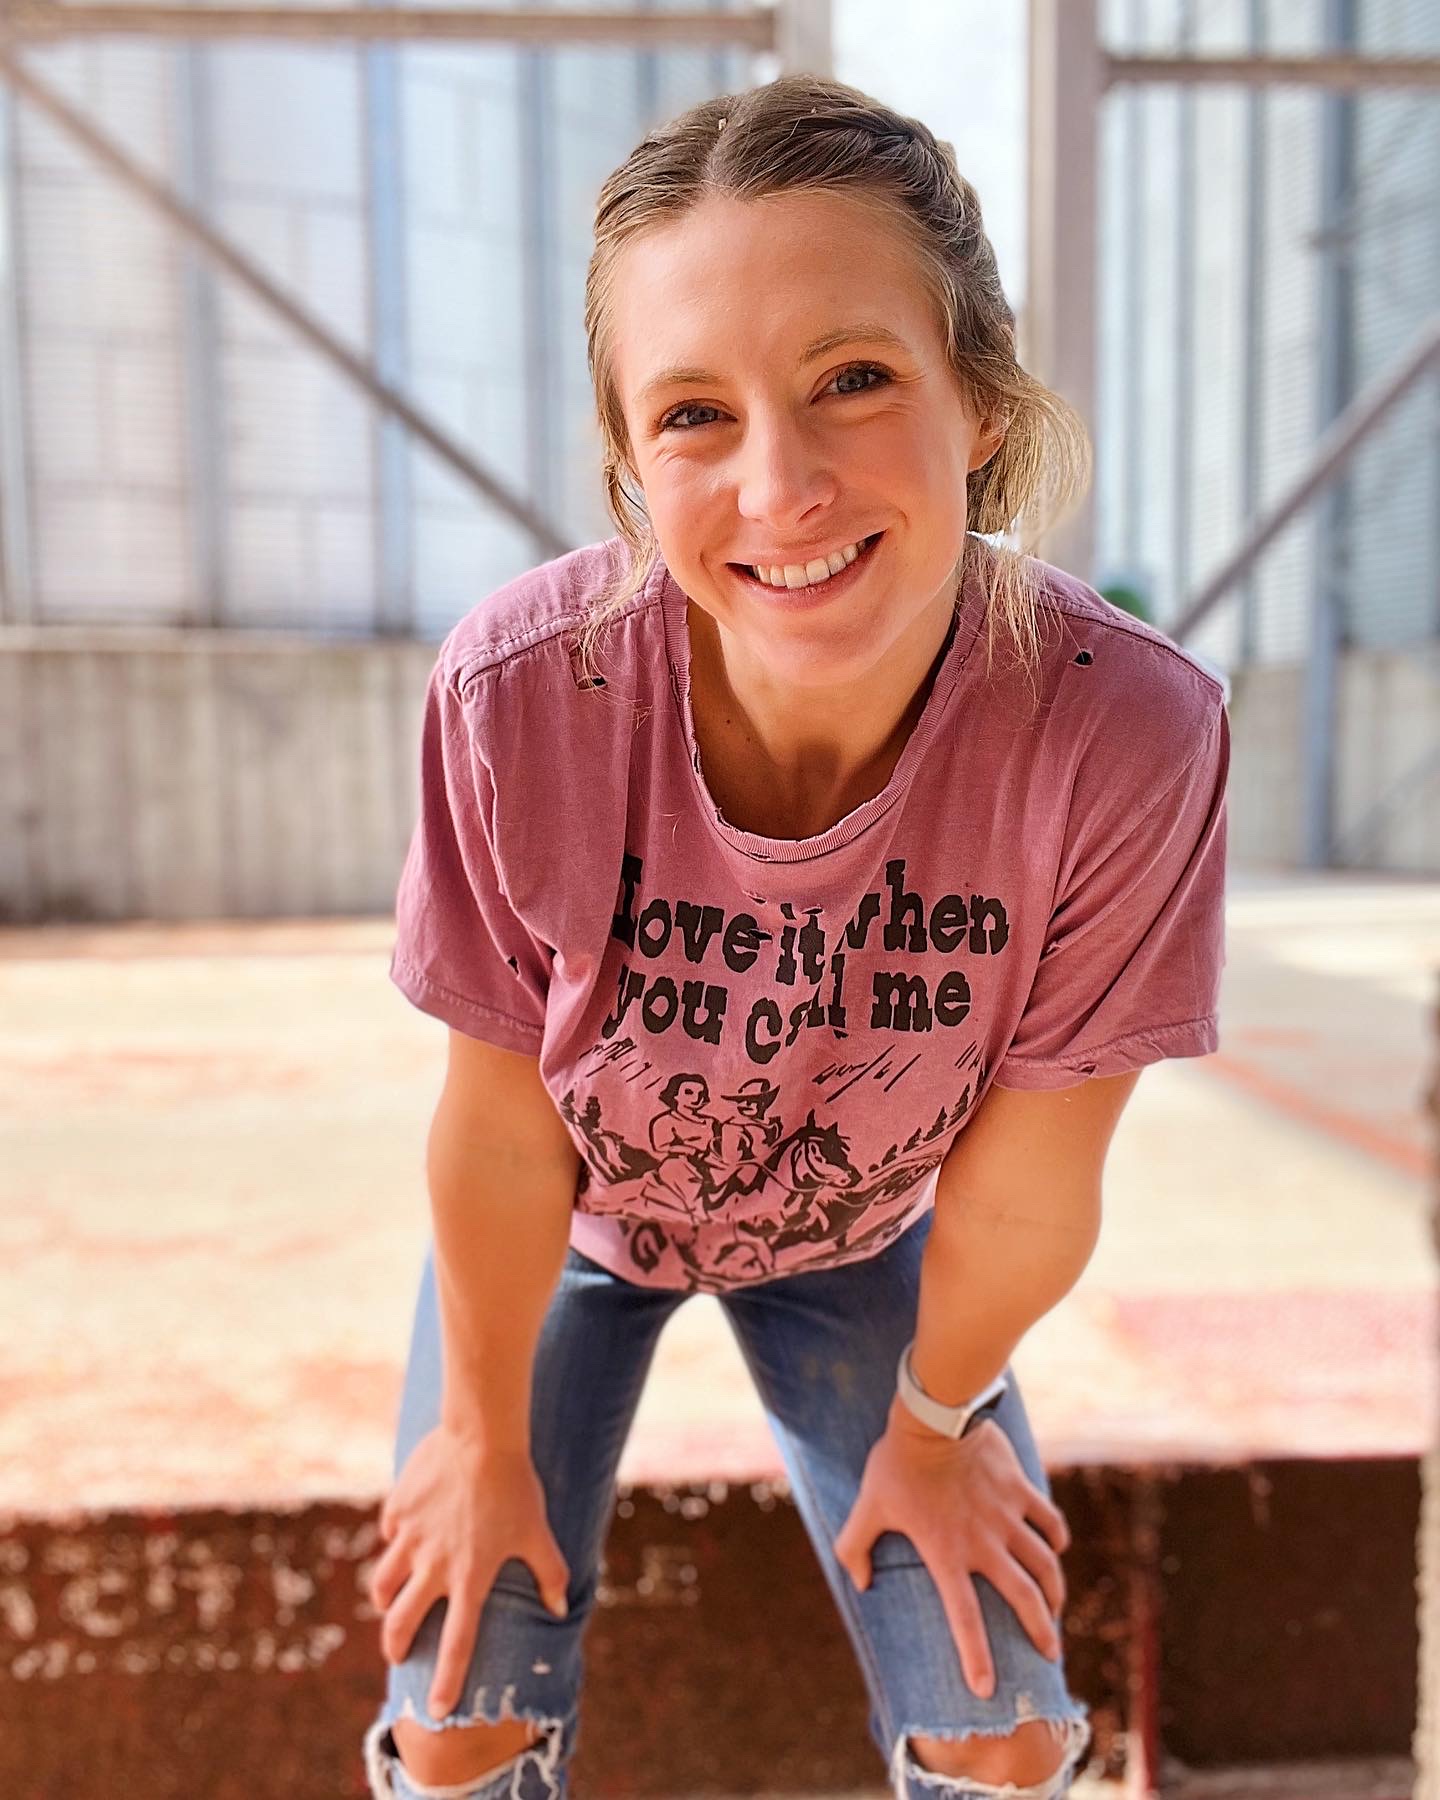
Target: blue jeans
(821, 1347)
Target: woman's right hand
(455, 1514)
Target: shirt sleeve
(461, 952)
(1130, 972)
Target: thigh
(594, 1350)
(823, 1348)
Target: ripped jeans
(821, 1347)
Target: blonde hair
(806, 133)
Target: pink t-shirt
(764, 1047)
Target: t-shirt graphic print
(763, 1048)
(766, 1159)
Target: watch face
(981, 1412)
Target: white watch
(951, 1420)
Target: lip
(805, 599)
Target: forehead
(734, 282)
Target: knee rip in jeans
(533, 1773)
(907, 1775)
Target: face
(784, 382)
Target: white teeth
(809, 574)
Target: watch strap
(952, 1421)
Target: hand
(455, 1514)
(966, 1504)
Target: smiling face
(783, 376)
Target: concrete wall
(171, 775)
(1385, 731)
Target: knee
(1030, 1754)
(460, 1753)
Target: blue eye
(865, 369)
(668, 422)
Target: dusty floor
(212, 1217)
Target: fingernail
(438, 1709)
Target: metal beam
(755, 29)
(1255, 292)
(1182, 331)
(1330, 458)
(305, 323)
(1351, 72)
(1057, 328)
(1320, 692)
(206, 440)
(1131, 276)
(19, 604)
(803, 42)
(384, 154)
(539, 180)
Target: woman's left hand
(967, 1505)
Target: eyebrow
(867, 331)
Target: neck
(798, 762)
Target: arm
(1017, 1218)
(1017, 1214)
(502, 1186)
(502, 1172)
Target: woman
(844, 936)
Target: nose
(784, 474)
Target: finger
(388, 1574)
(1049, 1518)
(1028, 1547)
(552, 1574)
(1026, 1596)
(457, 1642)
(859, 1569)
(402, 1620)
(967, 1627)
(852, 1551)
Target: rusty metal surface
(234, 1655)
(1288, 1625)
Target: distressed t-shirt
(764, 1047)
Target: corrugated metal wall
(179, 456)
(1390, 231)
(100, 483)
(1217, 239)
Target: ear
(988, 441)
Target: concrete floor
(212, 1217)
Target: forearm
(501, 1226)
(991, 1268)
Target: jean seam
(844, 1598)
(852, 1609)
